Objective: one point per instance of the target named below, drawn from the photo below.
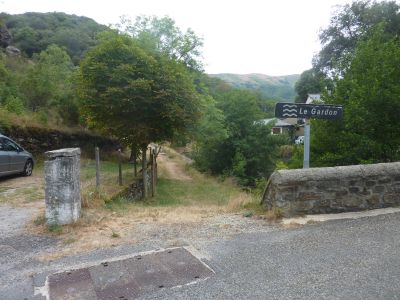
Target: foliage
(308, 83)
(48, 81)
(209, 133)
(243, 147)
(369, 91)
(34, 32)
(348, 26)
(161, 35)
(131, 94)
(14, 104)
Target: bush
(14, 104)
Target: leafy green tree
(133, 95)
(27, 39)
(209, 133)
(234, 141)
(163, 36)
(308, 83)
(349, 25)
(48, 81)
(370, 92)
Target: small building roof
(312, 98)
(282, 123)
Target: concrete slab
(129, 278)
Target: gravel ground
(18, 251)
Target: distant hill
(33, 32)
(280, 88)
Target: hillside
(277, 87)
(33, 32)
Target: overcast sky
(273, 37)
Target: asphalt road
(344, 259)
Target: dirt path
(171, 168)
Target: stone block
(384, 180)
(394, 188)
(309, 196)
(354, 189)
(391, 198)
(379, 189)
(370, 183)
(341, 193)
(374, 201)
(62, 186)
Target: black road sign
(308, 111)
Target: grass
(40, 220)
(91, 197)
(198, 191)
(115, 235)
(202, 191)
(55, 229)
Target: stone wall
(330, 190)
(134, 191)
(40, 140)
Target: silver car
(14, 159)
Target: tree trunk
(135, 164)
(144, 170)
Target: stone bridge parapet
(333, 189)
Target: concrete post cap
(67, 152)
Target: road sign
(308, 111)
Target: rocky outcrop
(13, 51)
(5, 37)
(39, 140)
(337, 189)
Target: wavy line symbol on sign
(289, 110)
(289, 106)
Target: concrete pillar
(62, 186)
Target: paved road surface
(344, 259)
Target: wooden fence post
(144, 170)
(153, 173)
(119, 167)
(97, 158)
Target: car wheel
(28, 168)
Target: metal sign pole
(306, 162)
